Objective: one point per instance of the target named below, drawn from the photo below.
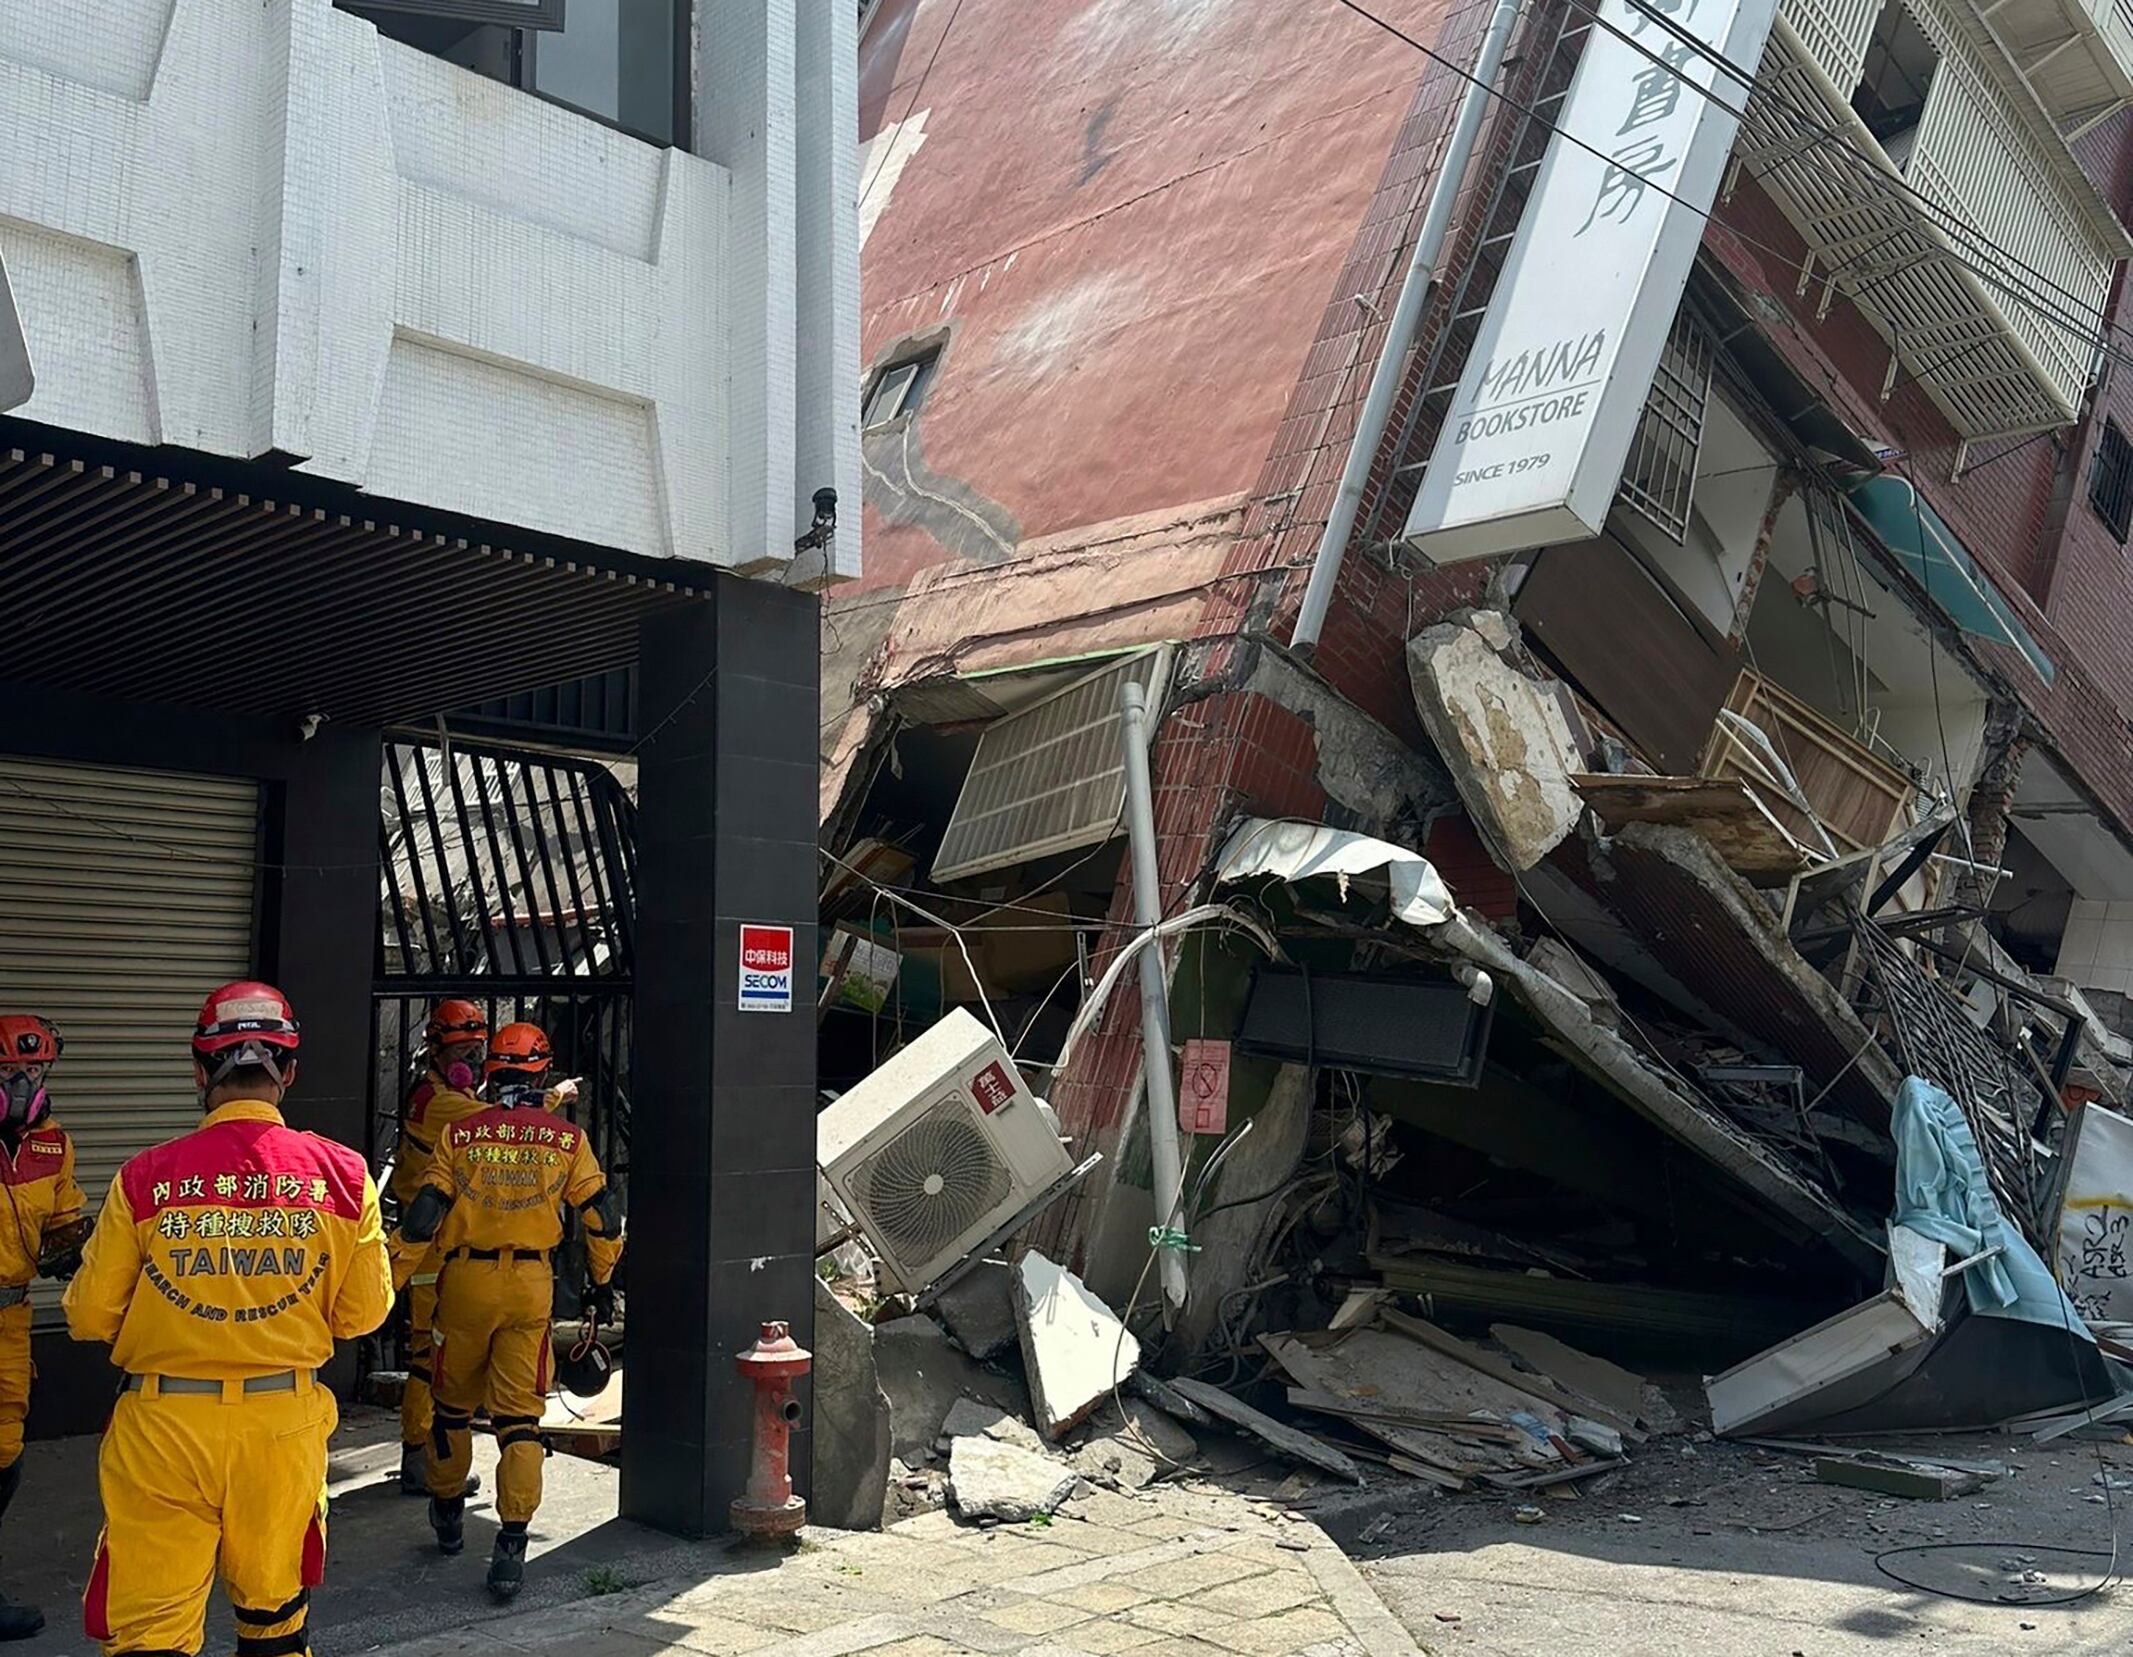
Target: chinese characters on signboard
(2096, 1217)
(1533, 444)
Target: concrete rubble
(1134, 1448)
(989, 1478)
(978, 1309)
(1502, 733)
(924, 1373)
(1075, 1351)
(852, 1437)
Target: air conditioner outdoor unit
(938, 1149)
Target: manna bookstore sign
(1533, 446)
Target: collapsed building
(1566, 922)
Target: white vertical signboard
(1533, 446)
(2096, 1216)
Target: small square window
(898, 389)
(2111, 481)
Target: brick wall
(1233, 752)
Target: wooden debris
(1283, 1440)
(1722, 810)
(1534, 1386)
(1614, 1389)
(1364, 1409)
(1380, 1371)
(1922, 1481)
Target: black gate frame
(507, 877)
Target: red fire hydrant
(770, 1509)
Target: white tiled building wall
(2096, 951)
(255, 228)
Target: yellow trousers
(197, 1487)
(421, 1315)
(15, 1373)
(492, 1349)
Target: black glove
(599, 1302)
(62, 1250)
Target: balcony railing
(1933, 250)
(2076, 56)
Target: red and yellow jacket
(433, 1105)
(41, 1196)
(506, 1175)
(243, 1248)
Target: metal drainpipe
(1406, 313)
(1156, 1088)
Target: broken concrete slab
(1136, 1448)
(991, 1480)
(979, 1310)
(1502, 736)
(852, 1421)
(1283, 1440)
(924, 1373)
(1707, 927)
(971, 1417)
(1075, 1351)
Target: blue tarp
(1928, 549)
(1942, 1193)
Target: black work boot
(415, 1477)
(17, 1622)
(507, 1566)
(448, 1518)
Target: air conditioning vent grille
(930, 1184)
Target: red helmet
(454, 1022)
(27, 1039)
(28, 1045)
(521, 1049)
(245, 1023)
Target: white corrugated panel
(128, 896)
(1050, 778)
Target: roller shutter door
(128, 895)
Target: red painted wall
(1129, 213)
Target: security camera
(825, 524)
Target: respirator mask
(23, 1100)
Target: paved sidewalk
(1174, 1573)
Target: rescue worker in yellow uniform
(492, 1202)
(453, 1042)
(43, 1236)
(223, 1267)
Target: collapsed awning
(1933, 556)
(1296, 851)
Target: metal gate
(508, 877)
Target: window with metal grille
(1050, 778)
(897, 389)
(1660, 479)
(2111, 480)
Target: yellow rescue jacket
(243, 1248)
(433, 1105)
(507, 1175)
(39, 1199)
